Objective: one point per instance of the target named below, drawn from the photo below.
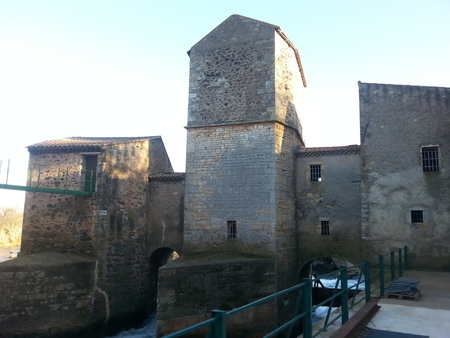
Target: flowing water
(147, 330)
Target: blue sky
(120, 68)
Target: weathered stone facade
(216, 280)
(47, 294)
(397, 122)
(242, 130)
(328, 209)
(253, 209)
(110, 227)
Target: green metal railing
(375, 273)
(60, 183)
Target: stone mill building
(105, 217)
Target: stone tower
(246, 82)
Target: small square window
(315, 172)
(416, 216)
(232, 229)
(430, 159)
(325, 228)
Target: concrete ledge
(358, 321)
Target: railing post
(66, 181)
(381, 274)
(307, 306)
(392, 266)
(7, 172)
(400, 264)
(367, 281)
(219, 327)
(344, 296)
(405, 250)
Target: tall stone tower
(246, 82)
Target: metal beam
(45, 190)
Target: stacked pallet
(403, 289)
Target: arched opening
(326, 266)
(325, 286)
(158, 258)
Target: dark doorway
(157, 259)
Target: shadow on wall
(158, 258)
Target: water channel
(148, 328)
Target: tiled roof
(77, 144)
(167, 177)
(328, 151)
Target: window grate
(232, 229)
(315, 172)
(417, 216)
(325, 228)
(430, 159)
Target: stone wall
(166, 212)
(232, 74)
(335, 198)
(159, 159)
(245, 85)
(121, 232)
(396, 122)
(111, 226)
(216, 281)
(245, 91)
(46, 294)
(229, 170)
(57, 222)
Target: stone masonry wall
(159, 160)
(228, 175)
(47, 294)
(288, 98)
(110, 226)
(289, 87)
(336, 199)
(121, 207)
(216, 281)
(57, 222)
(166, 215)
(286, 139)
(396, 122)
(232, 74)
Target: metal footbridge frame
(375, 273)
(89, 184)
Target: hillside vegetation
(10, 227)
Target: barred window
(232, 229)
(416, 216)
(430, 159)
(325, 228)
(315, 171)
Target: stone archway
(158, 258)
(325, 288)
(324, 265)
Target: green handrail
(218, 322)
(88, 184)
